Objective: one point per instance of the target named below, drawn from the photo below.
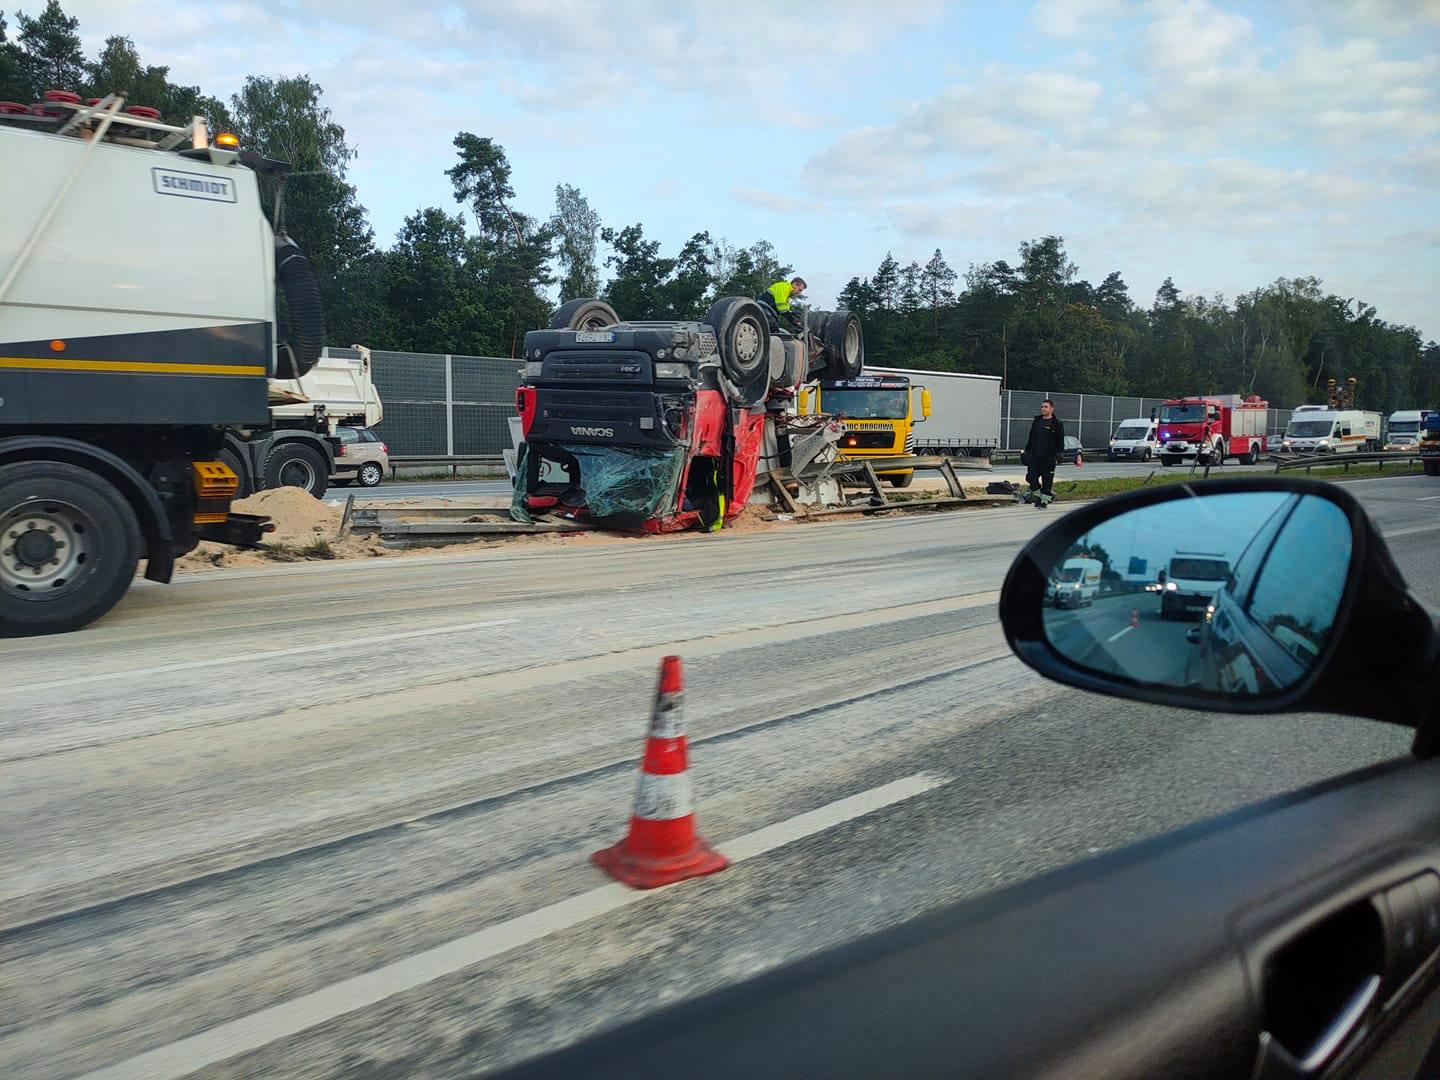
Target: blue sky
(1222, 144)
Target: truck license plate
(594, 335)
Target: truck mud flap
(239, 530)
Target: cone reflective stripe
(662, 845)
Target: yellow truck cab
(879, 413)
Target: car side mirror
(1239, 595)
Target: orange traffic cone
(1134, 617)
(662, 846)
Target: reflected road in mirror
(1231, 593)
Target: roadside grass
(1098, 489)
(319, 548)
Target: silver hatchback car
(362, 457)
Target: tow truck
(879, 413)
(138, 340)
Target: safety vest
(781, 291)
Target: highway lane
(238, 791)
(1123, 634)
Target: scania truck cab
(658, 426)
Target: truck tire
(743, 334)
(69, 545)
(1253, 458)
(229, 457)
(844, 346)
(1168, 459)
(903, 481)
(293, 464)
(1431, 466)
(586, 313)
(370, 474)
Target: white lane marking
(1119, 634)
(255, 657)
(1410, 531)
(1429, 498)
(299, 1014)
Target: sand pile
(305, 531)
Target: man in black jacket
(1042, 452)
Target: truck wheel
(744, 344)
(370, 474)
(1431, 466)
(586, 313)
(901, 481)
(844, 346)
(1253, 458)
(229, 457)
(293, 464)
(69, 544)
(1168, 459)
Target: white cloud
(771, 200)
(1076, 18)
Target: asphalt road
(1092, 470)
(334, 819)
(1123, 634)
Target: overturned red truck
(661, 426)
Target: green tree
(433, 295)
(636, 291)
(51, 57)
(118, 69)
(513, 252)
(15, 84)
(687, 292)
(284, 119)
(577, 232)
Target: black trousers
(1040, 479)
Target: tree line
(473, 277)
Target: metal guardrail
(1310, 461)
(453, 462)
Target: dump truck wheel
(744, 343)
(901, 481)
(294, 464)
(586, 313)
(229, 457)
(845, 346)
(1432, 467)
(69, 545)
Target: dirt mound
(299, 517)
(305, 531)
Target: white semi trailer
(964, 418)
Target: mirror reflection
(1232, 592)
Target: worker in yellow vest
(778, 298)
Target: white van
(1078, 582)
(1403, 430)
(1314, 429)
(1134, 439)
(1191, 581)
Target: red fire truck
(1219, 425)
